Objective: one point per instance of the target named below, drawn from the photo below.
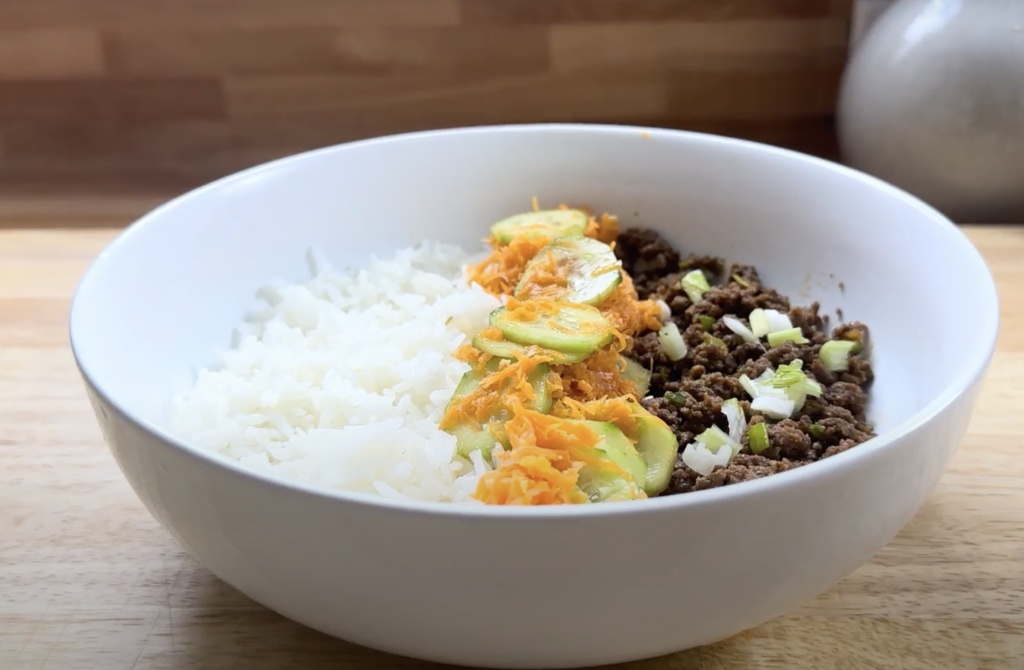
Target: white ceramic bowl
(553, 587)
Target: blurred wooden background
(182, 91)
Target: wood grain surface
(190, 90)
(88, 580)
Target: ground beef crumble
(709, 374)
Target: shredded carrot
(613, 410)
(530, 479)
(467, 353)
(543, 465)
(604, 228)
(499, 273)
(536, 207)
(548, 280)
(627, 312)
(490, 399)
(491, 333)
(595, 378)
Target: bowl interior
(165, 296)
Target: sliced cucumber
(506, 349)
(469, 439)
(552, 223)
(538, 379)
(470, 382)
(589, 268)
(606, 485)
(617, 448)
(658, 445)
(637, 374)
(572, 329)
(471, 436)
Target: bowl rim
(972, 367)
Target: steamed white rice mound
(340, 381)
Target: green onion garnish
(795, 381)
(758, 387)
(672, 341)
(777, 320)
(737, 326)
(714, 438)
(737, 419)
(757, 437)
(677, 399)
(695, 284)
(773, 406)
(759, 323)
(794, 335)
(835, 354)
(816, 430)
(748, 385)
(702, 460)
(711, 339)
(707, 322)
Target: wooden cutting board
(89, 580)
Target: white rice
(340, 381)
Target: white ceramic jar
(933, 102)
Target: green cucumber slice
(471, 436)
(552, 223)
(590, 269)
(506, 349)
(603, 485)
(469, 439)
(658, 445)
(637, 374)
(572, 329)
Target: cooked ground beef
(688, 394)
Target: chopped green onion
(748, 386)
(759, 323)
(756, 388)
(816, 430)
(672, 342)
(757, 437)
(737, 326)
(695, 285)
(788, 379)
(793, 376)
(807, 386)
(714, 438)
(741, 281)
(707, 322)
(777, 320)
(835, 354)
(774, 407)
(791, 335)
(702, 460)
(795, 382)
(737, 419)
(711, 339)
(677, 399)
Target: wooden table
(89, 580)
